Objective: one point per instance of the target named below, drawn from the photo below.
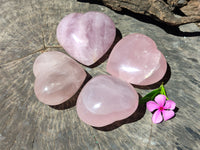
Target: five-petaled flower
(164, 109)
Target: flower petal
(170, 105)
(168, 114)
(160, 99)
(157, 117)
(151, 106)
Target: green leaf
(150, 96)
(163, 91)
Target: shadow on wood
(174, 30)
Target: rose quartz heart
(136, 59)
(58, 77)
(105, 99)
(86, 37)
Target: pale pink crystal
(136, 59)
(58, 77)
(86, 37)
(105, 99)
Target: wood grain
(28, 28)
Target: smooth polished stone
(136, 59)
(86, 37)
(105, 99)
(58, 77)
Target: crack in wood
(32, 143)
(43, 40)
(97, 143)
(40, 50)
(56, 46)
(15, 60)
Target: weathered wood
(193, 8)
(177, 3)
(161, 10)
(28, 28)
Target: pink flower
(164, 108)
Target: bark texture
(161, 10)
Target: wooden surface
(27, 28)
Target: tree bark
(161, 10)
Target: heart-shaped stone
(86, 37)
(136, 59)
(58, 77)
(105, 99)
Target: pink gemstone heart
(86, 37)
(58, 77)
(136, 59)
(105, 99)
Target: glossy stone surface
(105, 99)
(136, 59)
(58, 77)
(86, 37)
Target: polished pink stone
(105, 99)
(86, 37)
(58, 77)
(136, 59)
